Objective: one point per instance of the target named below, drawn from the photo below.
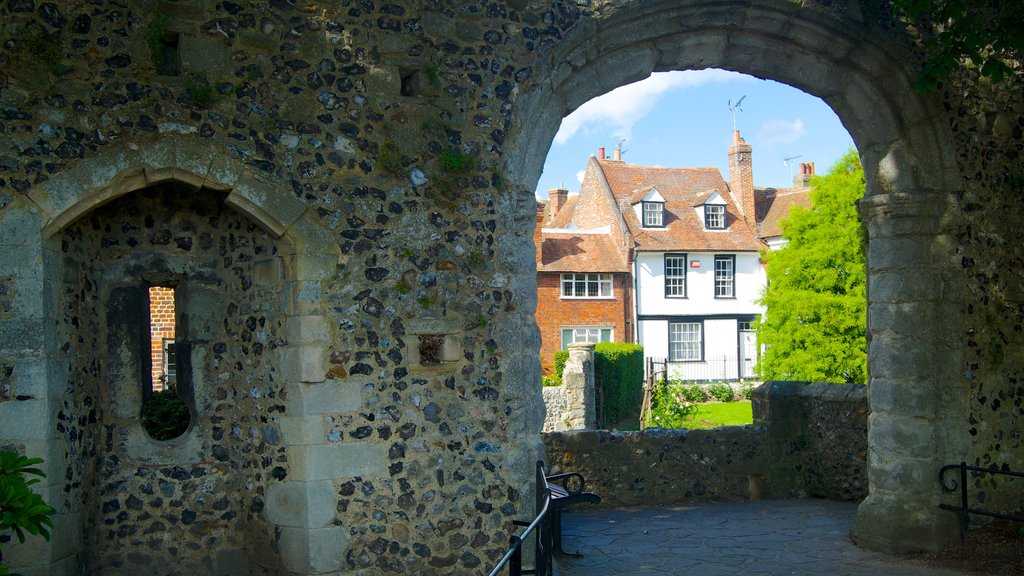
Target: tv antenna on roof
(619, 147)
(788, 163)
(736, 107)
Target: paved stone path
(767, 538)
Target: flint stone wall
(807, 440)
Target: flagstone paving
(765, 538)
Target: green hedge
(618, 374)
(618, 377)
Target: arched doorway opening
(912, 181)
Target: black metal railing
(960, 483)
(708, 369)
(540, 527)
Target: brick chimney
(556, 199)
(741, 175)
(803, 179)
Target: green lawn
(717, 414)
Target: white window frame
(587, 285)
(675, 275)
(170, 361)
(653, 214)
(685, 341)
(591, 334)
(725, 276)
(714, 216)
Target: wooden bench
(566, 489)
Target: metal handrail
(952, 485)
(516, 543)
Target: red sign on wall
(694, 263)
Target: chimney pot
(810, 168)
(600, 153)
(618, 154)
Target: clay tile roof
(682, 188)
(568, 252)
(773, 205)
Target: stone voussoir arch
(866, 74)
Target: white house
(692, 242)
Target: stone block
(336, 461)
(52, 453)
(910, 399)
(900, 473)
(318, 551)
(309, 237)
(271, 207)
(268, 272)
(20, 225)
(327, 397)
(301, 504)
(304, 330)
(302, 430)
(304, 363)
(308, 266)
(451, 348)
(231, 562)
(26, 420)
(304, 297)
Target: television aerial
(788, 163)
(736, 108)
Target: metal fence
(710, 369)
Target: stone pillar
(918, 406)
(578, 379)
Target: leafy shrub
(747, 391)
(668, 408)
(560, 359)
(692, 393)
(721, 392)
(165, 415)
(551, 380)
(21, 509)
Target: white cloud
(621, 108)
(775, 132)
(579, 176)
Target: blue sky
(682, 119)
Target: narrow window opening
(161, 331)
(166, 58)
(165, 415)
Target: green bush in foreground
(21, 509)
(721, 392)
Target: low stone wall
(806, 440)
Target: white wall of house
(700, 286)
(718, 317)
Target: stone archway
(910, 208)
(55, 423)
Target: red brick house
(583, 281)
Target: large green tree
(816, 301)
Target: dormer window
(714, 216)
(654, 214)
